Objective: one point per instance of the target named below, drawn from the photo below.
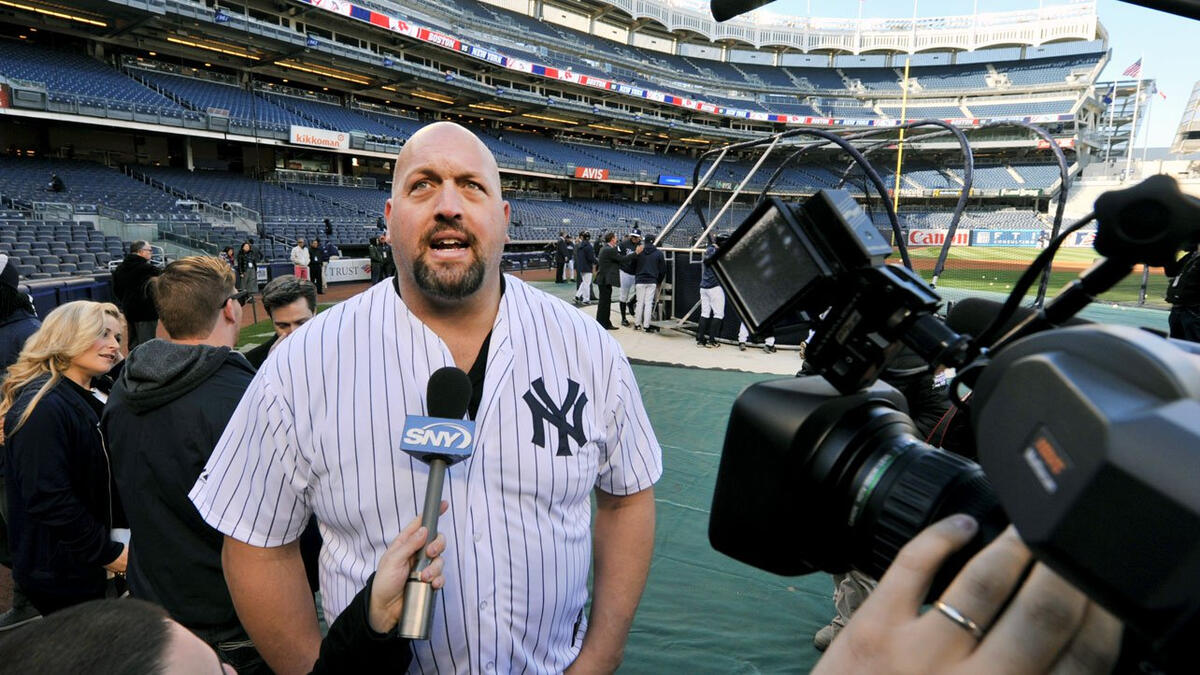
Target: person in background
(389, 260)
(328, 229)
(299, 258)
(290, 302)
(228, 256)
(585, 263)
(570, 267)
(744, 337)
(330, 252)
(247, 267)
(1184, 295)
(56, 184)
(376, 260)
(17, 322)
(130, 284)
(560, 257)
(651, 270)
(134, 637)
(165, 413)
(608, 275)
(61, 503)
(628, 297)
(712, 301)
(316, 264)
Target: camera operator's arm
(1048, 627)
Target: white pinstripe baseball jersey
(319, 431)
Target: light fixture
(547, 118)
(493, 108)
(153, 53)
(608, 128)
(50, 12)
(433, 97)
(325, 72)
(213, 47)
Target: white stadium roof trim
(762, 28)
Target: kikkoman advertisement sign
(319, 138)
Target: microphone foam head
(449, 393)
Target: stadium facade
(193, 123)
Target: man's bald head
(435, 138)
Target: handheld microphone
(440, 439)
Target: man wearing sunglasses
(163, 418)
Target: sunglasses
(242, 298)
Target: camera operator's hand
(1048, 627)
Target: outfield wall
(1021, 238)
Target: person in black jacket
(609, 275)
(164, 415)
(18, 320)
(61, 504)
(129, 282)
(247, 267)
(17, 323)
(628, 297)
(560, 257)
(138, 638)
(585, 264)
(650, 271)
(1184, 295)
(316, 264)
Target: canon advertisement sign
(937, 237)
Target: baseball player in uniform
(558, 418)
(628, 298)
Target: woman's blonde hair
(67, 332)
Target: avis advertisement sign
(937, 237)
(319, 138)
(591, 173)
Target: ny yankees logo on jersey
(544, 409)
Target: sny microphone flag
(1135, 70)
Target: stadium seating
(329, 115)
(245, 109)
(86, 184)
(74, 77)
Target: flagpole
(1137, 103)
(1112, 109)
(1146, 136)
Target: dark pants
(48, 603)
(603, 306)
(376, 272)
(234, 647)
(1185, 322)
(314, 271)
(559, 264)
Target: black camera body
(1088, 437)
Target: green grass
(992, 269)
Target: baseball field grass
(997, 269)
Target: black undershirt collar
(476, 373)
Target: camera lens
(902, 487)
(847, 476)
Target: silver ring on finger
(959, 619)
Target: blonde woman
(60, 497)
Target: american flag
(1135, 70)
